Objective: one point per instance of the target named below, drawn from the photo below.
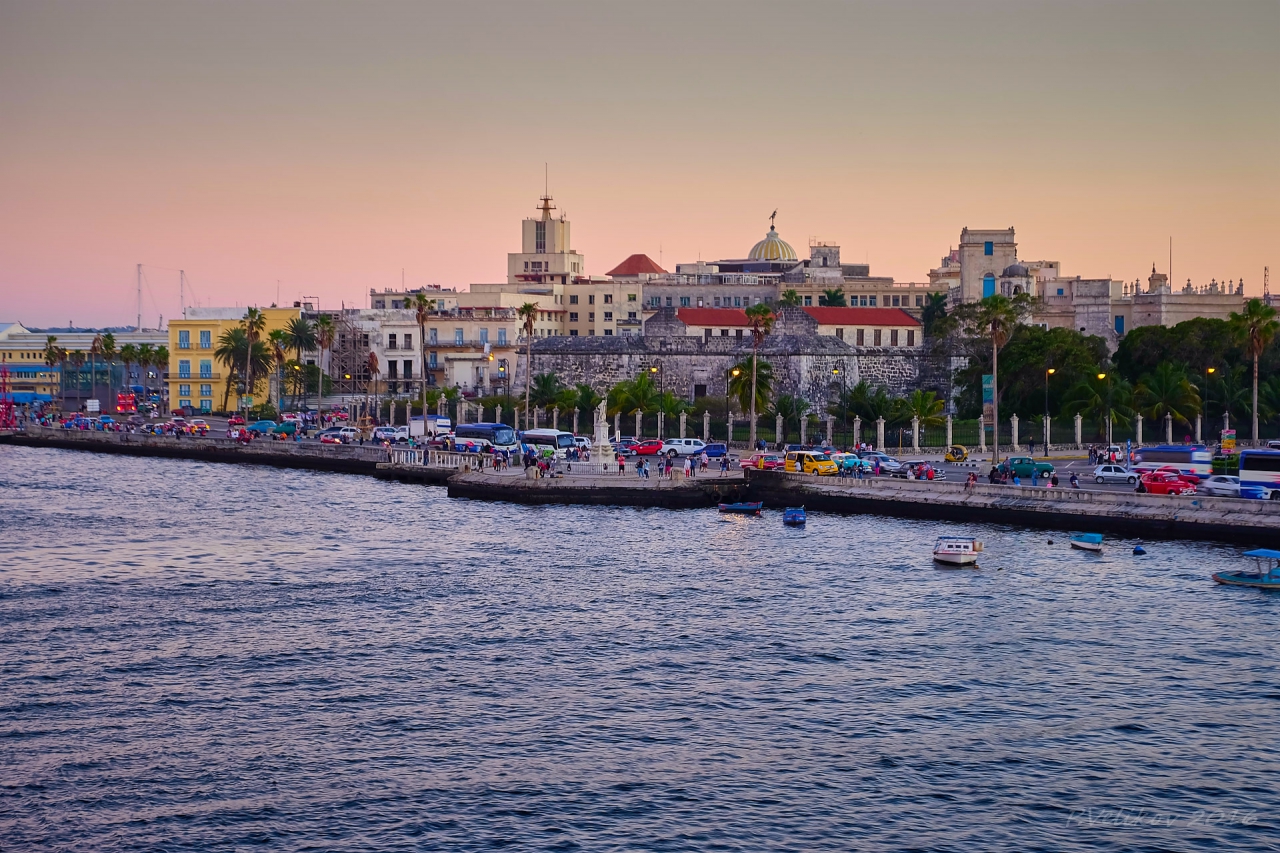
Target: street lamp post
(1108, 433)
(728, 427)
(1208, 373)
(505, 380)
(844, 418)
(657, 369)
(1048, 372)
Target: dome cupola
(772, 248)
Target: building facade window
(184, 390)
(206, 390)
(911, 337)
(876, 337)
(206, 339)
(458, 338)
(655, 301)
(591, 299)
(540, 238)
(840, 333)
(631, 297)
(893, 337)
(988, 285)
(608, 333)
(433, 359)
(573, 333)
(608, 315)
(716, 302)
(206, 368)
(1119, 324)
(573, 299)
(502, 337)
(591, 316)
(608, 299)
(919, 301)
(408, 341)
(184, 370)
(668, 301)
(184, 339)
(206, 406)
(484, 336)
(988, 248)
(862, 337)
(391, 341)
(873, 301)
(184, 403)
(684, 302)
(392, 369)
(573, 316)
(433, 336)
(408, 368)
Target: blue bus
(1191, 459)
(1260, 470)
(497, 436)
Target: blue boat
(1087, 541)
(743, 508)
(1266, 577)
(794, 515)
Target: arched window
(988, 285)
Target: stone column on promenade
(1013, 421)
(638, 424)
(537, 418)
(880, 434)
(915, 433)
(804, 429)
(575, 421)
(617, 425)
(1079, 421)
(949, 425)
(777, 430)
(555, 419)
(706, 425)
(1226, 421)
(1137, 430)
(1198, 430)
(831, 428)
(982, 434)
(683, 419)
(857, 431)
(497, 414)
(1168, 428)
(441, 402)
(662, 425)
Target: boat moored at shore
(1266, 577)
(957, 550)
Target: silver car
(1220, 485)
(1114, 474)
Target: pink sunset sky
(328, 146)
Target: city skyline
(247, 144)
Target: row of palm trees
(103, 349)
(248, 357)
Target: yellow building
(196, 377)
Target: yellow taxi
(809, 462)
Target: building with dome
(773, 248)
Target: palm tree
(1254, 327)
(160, 358)
(325, 334)
(566, 402)
(129, 357)
(587, 400)
(56, 355)
(254, 324)
(528, 313)
(1168, 391)
(95, 350)
(77, 361)
(935, 309)
(832, 298)
(277, 341)
(924, 405)
(109, 353)
(1096, 396)
(760, 319)
(234, 350)
(422, 313)
(793, 410)
(634, 395)
(544, 390)
(300, 336)
(995, 319)
(789, 299)
(741, 383)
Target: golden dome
(772, 248)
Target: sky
(289, 149)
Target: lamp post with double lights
(1108, 433)
(505, 379)
(844, 419)
(728, 427)
(1208, 374)
(657, 369)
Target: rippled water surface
(215, 657)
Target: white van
(554, 440)
(682, 446)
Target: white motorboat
(1087, 541)
(957, 550)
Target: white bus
(556, 441)
(1260, 474)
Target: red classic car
(649, 447)
(1164, 483)
(767, 461)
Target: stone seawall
(1124, 513)
(598, 491)
(281, 454)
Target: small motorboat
(794, 515)
(743, 507)
(957, 550)
(1266, 577)
(1087, 541)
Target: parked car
(286, 428)
(260, 427)
(1222, 486)
(887, 463)
(651, 447)
(331, 432)
(348, 435)
(849, 461)
(582, 442)
(384, 433)
(1184, 477)
(235, 421)
(625, 446)
(767, 461)
(200, 426)
(1164, 483)
(920, 469)
(716, 449)
(1022, 466)
(1114, 474)
(682, 446)
(809, 462)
